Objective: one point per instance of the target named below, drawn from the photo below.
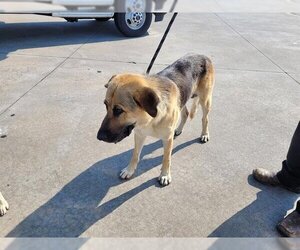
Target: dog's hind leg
(139, 140)
(184, 117)
(206, 106)
(194, 107)
(205, 99)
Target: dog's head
(129, 102)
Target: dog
(152, 106)
(3, 205)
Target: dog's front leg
(165, 175)
(139, 140)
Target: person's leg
(289, 176)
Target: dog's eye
(117, 111)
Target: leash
(163, 38)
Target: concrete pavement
(60, 181)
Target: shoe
(290, 225)
(270, 178)
(266, 177)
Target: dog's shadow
(76, 207)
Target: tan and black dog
(152, 106)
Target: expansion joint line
(261, 52)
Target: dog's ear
(148, 100)
(107, 84)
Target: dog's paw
(204, 138)
(165, 180)
(177, 133)
(3, 207)
(126, 174)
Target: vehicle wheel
(135, 21)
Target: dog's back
(186, 72)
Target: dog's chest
(156, 132)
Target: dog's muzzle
(108, 136)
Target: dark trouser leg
(289, 175)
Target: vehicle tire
(133, 23)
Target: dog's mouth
(125, 133)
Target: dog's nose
(102, 135)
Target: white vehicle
(132, 17)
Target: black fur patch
(182, 67)
(185, 72)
